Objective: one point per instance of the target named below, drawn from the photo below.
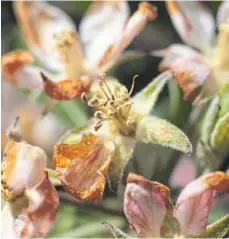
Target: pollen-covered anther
(94, 101)
(148, 10)
(99, 115)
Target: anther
(93, 102)
(100, 115)
(84, 97)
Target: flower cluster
(75, 65)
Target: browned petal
(25, 20)
(174, 9)
(218, 181)
(37, 220)
(63, 90)
(13, 62)
(85, 179)
(148, 10)
(163, 190)
(188, 86)
(64, 154)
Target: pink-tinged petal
(223, 13)
(190, 72)
(39, 21)
(196, 200)
(193, 21)
(183, 173)
(25, 165)
(82, 166)
(138, 21)
(38, 219)
(172, 53)
(145, 205)
(101, 26)
(18, 70)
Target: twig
(65, 197)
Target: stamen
(104, 92)
(133, 84)
(103, 78)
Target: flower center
(67, 45)
(114, 106)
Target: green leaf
(74, 135)
(218, 229)
(158, 131)
(170, 226)
(124, 147)
(145, 100)
(71, 113)
(207, 158)
(209, 120)
(116, 232)
(224, 100)
(179, 109)
(220, 134)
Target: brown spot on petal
(140, 180)
(63, 90)
(185, 81)
(65, 153)
(218, 181)
(148, 10)
(13, 61)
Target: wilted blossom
(31, 200)
(86, 154)
(74, 59)
(148, 207)
(195, 24)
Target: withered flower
(32, 201)
(76, 59)
(148, 207)
(109, 139)
(195, 24)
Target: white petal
(193, 21)
(28, 171)
(102, 26)
(223, 13)
(7, 220)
